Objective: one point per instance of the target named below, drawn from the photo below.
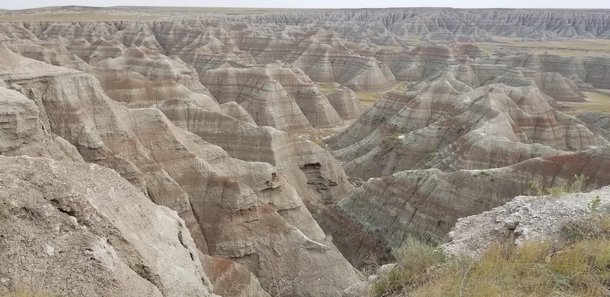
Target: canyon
(164, 152)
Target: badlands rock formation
(74, 229)
(276, 95)
(436, 126)
(597, 121)
(198, 114)
(346, 103)
(210, 190)
(384, 211)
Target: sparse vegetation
(402, 86)
(394, 136)
(580, 266)
(595, 102)
(414, 259)
(572, 48)
(326, 89)
(368, 99)
(576, 184)
(26, 293)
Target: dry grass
(595, 102)
(414, 258)
(368, 99)
(326, 88)
(396, 48)
(578, 268)
(223, 10)
(576, 184)
(317, 135)
(534, 269)
(26, 293)
(412, 40)
(73, 17)
(403, 86)
(572, 48)
(488, 48)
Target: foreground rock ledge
(76, 229)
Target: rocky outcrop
(324, 63)
(522, 219)
(74, 229)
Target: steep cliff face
(76, 229)
(22, 132)
(179, 170)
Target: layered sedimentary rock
(262, 213)
(52, 52)
(430, 61)
(594, 71)
(324, 63)
(156, 67)
(597, 121)
(264, 98)
(276, 95)
(22, 133)
(74, 229)
(346, 103)
(487, 125)
(230, 279)
(97, 50)
(136, 90)
(436, 126)
(313, 172)
(383, 212)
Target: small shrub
(414, 258)
(576, 184)
(536, 188)
(594, 205)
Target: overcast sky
(21, 4)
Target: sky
(22, 4)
